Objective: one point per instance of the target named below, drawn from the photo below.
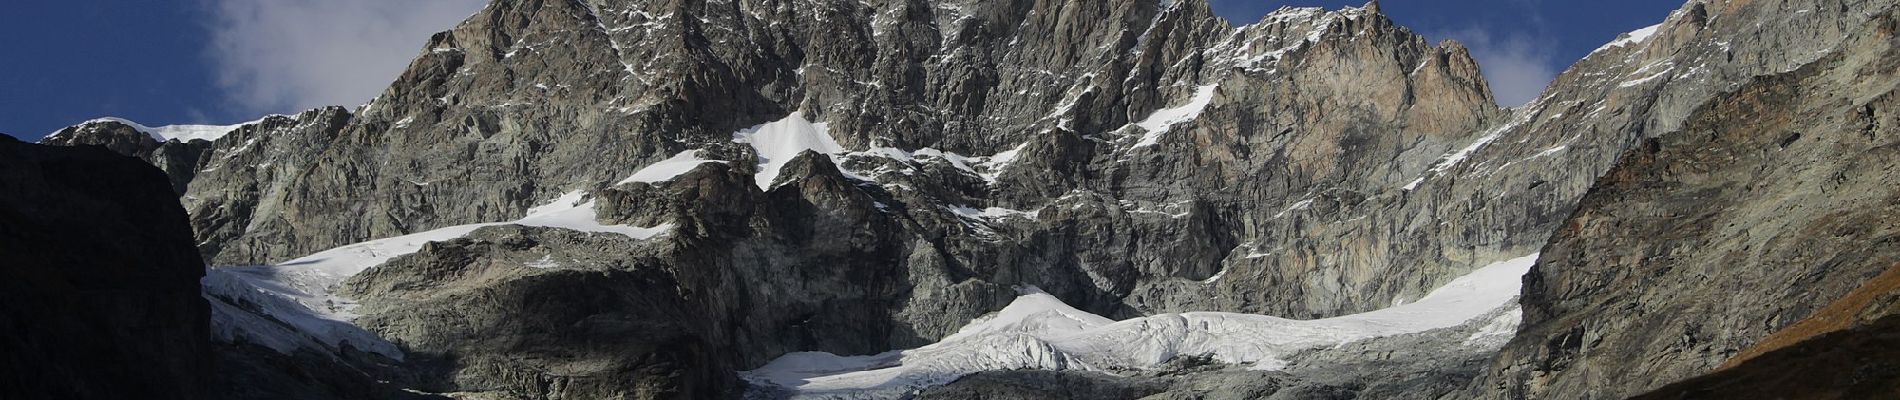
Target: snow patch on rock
(1499, 330)
(991, 213)
(182, 133)
(667, 169)
(778, 142)
(989, 168)
(545, 262)
(1158, 123)
(1633, 37)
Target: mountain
(768, 198)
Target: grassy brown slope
(1876, 298)
(1858, 363)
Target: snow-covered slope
(1038, 331)
(182, 133)
(1158, 123)
(667, 169)
(1633, 37)
(293, 304)
(778, 142)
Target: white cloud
(280, 56)
(1518, 66)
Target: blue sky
(68, 61)
(226, 61)
(163, 62)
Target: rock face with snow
(1704, 241)
(179, 159)
(232, 179)
(508, 111)
(99, 287)
(585, 315)
(607, 198)
(883, 172)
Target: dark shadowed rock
(99, 287)
(1858, 363)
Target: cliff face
(1772, 201)
(511, 110)
(230, 178)
(1851, 364)
(1844, 349)
(598, 198)
(99, 293)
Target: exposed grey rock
(1703, 241)
(224, 183)
(514, 312)
(1521, 177)
(1339, 163)
(252, 372)
(255, 167)
(179, 160)
(1854, 364)
(1844, 351)
(502, 114)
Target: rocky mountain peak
(116, 135)
(516, 94)
(719, 184)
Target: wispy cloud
(284, 56)
(1518, 65)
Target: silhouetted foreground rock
(99, 295)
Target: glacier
(1039, 331)
(182, 133)
(293, 305)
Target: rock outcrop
(99, 288)
(179, 159)
(1704, 241)
(1844, 351)
(1852, 364)
(232, 182)
(518, 312)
